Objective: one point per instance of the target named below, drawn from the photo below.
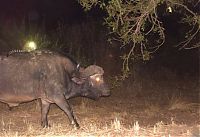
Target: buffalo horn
(92, 70)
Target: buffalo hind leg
(45, 109)
(64, 105)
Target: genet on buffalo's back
(50, 77)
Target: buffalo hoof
(45, 125)
(76, 126)
(48, 126)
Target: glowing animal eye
(97, 79)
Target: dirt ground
(141, 107)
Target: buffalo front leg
(64, 105)
(45, 109)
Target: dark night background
(64, 26)
(50, 12)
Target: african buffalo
(48, 76)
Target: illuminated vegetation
(138, 25)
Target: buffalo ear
(78, 80)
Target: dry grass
(115, 128)
(93, 125)
(152, 109)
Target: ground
(152, 105)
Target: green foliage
(88, 4)
(132, 21)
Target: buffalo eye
(97, 79)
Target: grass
(114, 129)
(24, 120)
(152, 109)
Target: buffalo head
(92, 82)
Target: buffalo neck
(75, 90)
